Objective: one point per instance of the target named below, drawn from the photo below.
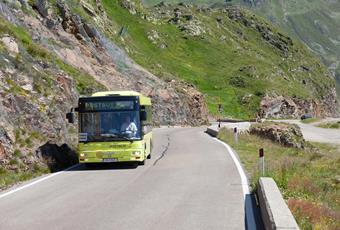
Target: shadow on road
(106, 166)
(253, 220)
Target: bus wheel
(149, 156)
(142, 162)
(90, 165)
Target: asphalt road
(316, 134)
(190, 183)
(310, 131)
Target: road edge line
(249, 209)
(244, 180)
(36, 181)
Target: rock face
(277, 40)
(59, 60)
(283, 133)
(283, 107)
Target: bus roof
(143, 100)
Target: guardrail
(275, 213)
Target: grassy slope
(308, 179)
(330, 125)
(312, 21)
(214, 66)
(206, 2)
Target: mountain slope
(312, 21)
(227, 53)
(316, 23)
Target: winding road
(191, 182)
(316, 134)
(310, 131)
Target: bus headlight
(82, 154)
(136, 153)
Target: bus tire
(90, 165)
(149, 156)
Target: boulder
(288, 135)
(41, 6)
(279, 107)
(290, 107)
(130, 6)
(192, 28)
(10, 44)
(57, 157)
(2, 151)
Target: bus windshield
(109, 126)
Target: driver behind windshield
(129, 127)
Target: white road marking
(244, 180)
(249, 209)
(36, 182)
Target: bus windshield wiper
(124, 137)
(116, 135)
(108, 135)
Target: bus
(114, 126)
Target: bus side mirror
(143, 115)
(70, 116)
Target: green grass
(197, 2)
(307, 178)
(330, 125)
(9, 178)
(310, 120)
(239, 71)
(312, 21)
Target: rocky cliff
(49, 56)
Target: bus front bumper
(108, 157)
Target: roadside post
(261, 161)
(235, 135)
(219, 112)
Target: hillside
(229, 54)
(314, 22)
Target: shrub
(17, 153)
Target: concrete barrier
(274, 210)
(236, 120)
(212, 131)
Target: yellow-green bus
(114, 126)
